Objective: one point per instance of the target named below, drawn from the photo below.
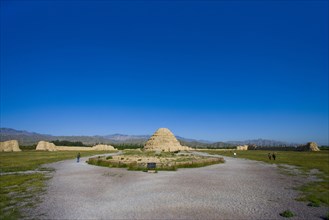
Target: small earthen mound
(102, 147)
(47, 146)
(163, 139)
(310, 146)
(243, 147)
(8, 146)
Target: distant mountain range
(26, 138)
(29, 138)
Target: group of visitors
(270, 156)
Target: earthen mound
(47, 146)
(103, 147)
(243, 147)
(163, 139)
(9, 146)
(310, 146)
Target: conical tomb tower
(163, 139)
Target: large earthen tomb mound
(164, 140)
(310, 146)
(162, 149)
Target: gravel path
(238, 189)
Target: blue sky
(215, 70)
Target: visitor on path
(78, 157)
(234, 154)
(274, 156)
(269, 156)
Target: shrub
(102, 163)
(314, 204)
(287, 214)
(109, 157)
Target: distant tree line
(68, 143)
(217, 145)
(28, 147)
(324, 148)
(122, 146)
(271, 148)
(283, 148)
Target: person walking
(78, 157)
(273, 156)
(269, 156)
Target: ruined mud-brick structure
(310, 146)
(242, 147)
(10, 146)
(164, 140)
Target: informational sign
(151, 166)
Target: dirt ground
(237, 189)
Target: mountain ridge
(31, 138)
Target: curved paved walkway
(238, 189)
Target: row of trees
(68, 143)
(123, 146)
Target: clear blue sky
(214, 70)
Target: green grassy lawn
(30, 160)
(314, 192)
(19, 191)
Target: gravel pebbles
(237, 189)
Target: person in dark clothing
(269, 156)
(78, 157)
(274, 156)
